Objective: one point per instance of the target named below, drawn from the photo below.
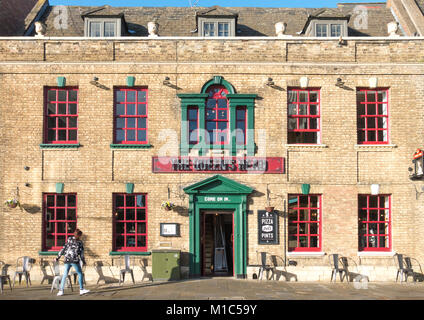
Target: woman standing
(73, 250)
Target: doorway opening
(217, 236)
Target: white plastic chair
(23, 268)
(58, 277)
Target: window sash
(56, 215)
(336, 30)
(304, 117)
(216, 29)
(61, 115)
(217, 126)
(303, 229)
(373, 117)
(321, 30)
(374, 223)
(131, 116)
(129, 223)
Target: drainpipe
(285, 230)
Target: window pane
(131, 109)
(141, 135)
(51, 122)
(71, 214)
(129, 202)
(141, 228)
(120, 96)
(72, 135)
(130, 214)
(130, 241)
(120, 135)
(110, 29)
(72, 122)
(119, 241)
(141, 123)
(141, 109)
(141, 214)
(141, 96)
(141, 241)
(131, 122)
(120, 123)
(130, 96)
(131, 135)
(120, 227)
(51, 108)
(95, 29)
(61, 108)
(62, 122)
(131, 227)
(72, 108)
(51, 95)
(73, 95)
(60, 214)
(62, 94)
(120, 109)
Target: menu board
(267, 227)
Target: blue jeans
(77, 267)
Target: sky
(209, 3)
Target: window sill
(131, 253)
(130, 146)
(306, 254)
(48, 253)
(59, 146)
(375, 147)
(306, 146)
(376, 254)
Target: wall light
(270, 82)
(304, 81)
(339, 83)
(166, 82)
(375, 189)
(373, 82)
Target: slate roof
(181, 21)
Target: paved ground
(227, 289)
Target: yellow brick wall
(339, 169)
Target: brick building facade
(83, 119)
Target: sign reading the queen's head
(217, 164)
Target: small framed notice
(170, 229)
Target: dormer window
(104, 22)
(102, 28)
(326, 23)
(216, 22)
(217, 29)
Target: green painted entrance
(218, 193)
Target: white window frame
(102, 21)
(231, 26)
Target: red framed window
(130, 116)
(373, 116)
(304, 229)
(59, 219)
(304, 116)
(374, 223)
(61, 115)
(241, 125)
(130, 222)
(217, 115)
(193, 125)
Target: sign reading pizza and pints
(217, 164)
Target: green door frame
(218, 193)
